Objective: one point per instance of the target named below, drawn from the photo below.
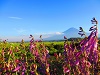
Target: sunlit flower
(16, 69)
(66, 70)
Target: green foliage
(55, 47)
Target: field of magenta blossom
(35, 59)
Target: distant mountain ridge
(72, 29)
(69, 33)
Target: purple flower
(66, 70)
(77, 54)
(16, 69)
(88, 64)
(65, 37)
(77, 62)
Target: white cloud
(15, 17)
(49, 33)
(58, 33)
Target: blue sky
(25, 17)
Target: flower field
(37, 58)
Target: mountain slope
(71, 32)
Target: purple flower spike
(65, 37)
(16, 69)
